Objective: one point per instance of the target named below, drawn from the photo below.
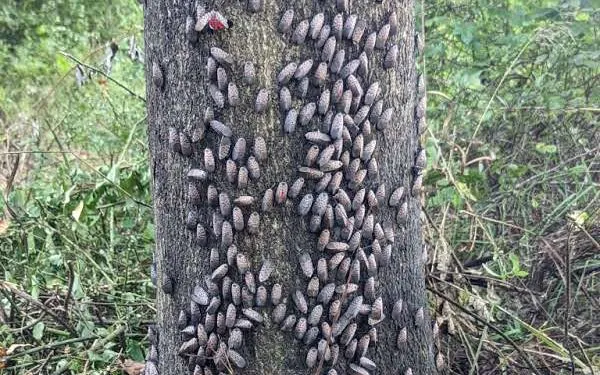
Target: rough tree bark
(178, 94)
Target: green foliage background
(513, 94)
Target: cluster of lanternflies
(337, 315)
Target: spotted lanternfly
(300, 302)
(296, 188)
(320, 75)
(211, 69)
(337, 25)
(326, 293)
(285, 23)
(238, 219)
(219, 272)
(253, 223)
(289, 124)
(391, 57)
(306, 113)
(262, 100)
(396, 196)
(281, 193)
(320, 204)
(363, 68)
(311, 335)
(315, 314)
(192, 220)
(370, 42)
(302, 87)
(260, 149)
(250, 282)
(300, 32)
(201, 234)
(349, 26)
(317, 137)
(306, 265)
(267, 201)
(372, 93)
(303, 69)
(265, 271)
(242, 178)
(233, 96)
(249, 73)
(300, 328)
(345, 102)
(376, 315)
(157, 75)
(239, 150)
(311, 356)
(338, 61)
(337, 91)
(288, 323)
(224, 204)
(311, 173)
(221, 56)
(244, 200)
(253, 168)
(185, 144)
(316, 24)
(357, 146)
(349, 68)
(278, 313)
(214, 260)
(359, 31)
(287, 73)
(261, 296)
(226, 235)
(323, 36)
(213, 19)
(385, 119)
(368, 150)
(221, 78)
(376, 111)
(217, 224)
(150, 368)
(315, 223)
(285, 99)
(361, 114)
(231, 171)
(382, 36)
(247, 298)
(322, 184)
(276, 293)
(311, 156)
(217, 96)
(417, 185)
(354, 85)
(329, 49)
(323, 103)
(232, 256)
(336, 126)
(231, 316)
(236, 294)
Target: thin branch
(99, 71)
(9, 287)
(530, 364)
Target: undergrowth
(511, 208)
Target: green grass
(512, 180)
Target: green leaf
(38, 331)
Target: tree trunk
(178, 94)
